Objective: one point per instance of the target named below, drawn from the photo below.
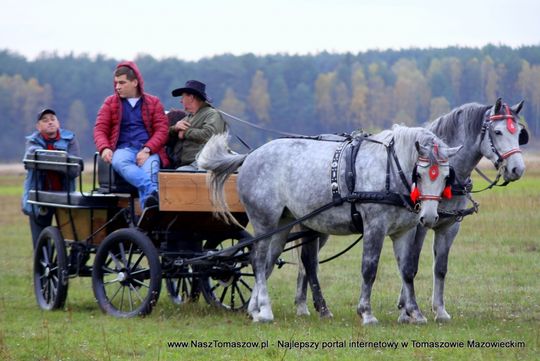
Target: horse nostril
(436, 219)
(422, 220)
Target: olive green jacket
(206, 122)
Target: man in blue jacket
(48, 135)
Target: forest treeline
(308, 94)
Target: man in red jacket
(131, 131)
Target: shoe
(152, 200)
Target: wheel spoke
(240, 293)
(115, 260)
(233, 287)
(139, 271)
(136, 293)
(45, 255)
(139, 259)
(223, 294)
(111, 299)
(141, 283)
(130, 287)
(130, 255)
(245, 285)
(122, 254)
(122, 298)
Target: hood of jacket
(132, 66)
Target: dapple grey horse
(491, 131)
(286, 179)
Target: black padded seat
(111, 182)
(55, 160)
(72, 199)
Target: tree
(259, 99)
(323, 97)
(232, 105)
(358, 106)
(77, 121)
(411, 92)
(437, 107)
(490, 80)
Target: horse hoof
(326, 314)
(404, 318)
(369, 320)
(442, 317)
(265, 315)
(418, 320)
(302, 310)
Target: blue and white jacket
(35, 141)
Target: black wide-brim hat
(193, 87)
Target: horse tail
(217, 158)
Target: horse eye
(498, 132)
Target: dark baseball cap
(45, 111)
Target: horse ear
(453, 151)
(497, 106)
(517, 108)
(417, 145)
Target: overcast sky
(194, 29)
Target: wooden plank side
(183, 191)
(81, 220)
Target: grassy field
(493, 294)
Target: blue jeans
(144, 178)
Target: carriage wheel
(183, 289)
(126, 276)
(229, 285)
(50, 270)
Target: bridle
(433, 162)
(511, 125)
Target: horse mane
(462, 121)
(404, 139)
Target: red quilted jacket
(107, 128)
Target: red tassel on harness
(415, 194)
(447, 192)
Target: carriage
(127, 252)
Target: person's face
(188, 101)
(48, 125)
(126, 88)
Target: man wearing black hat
(192, 132)
(48, 135)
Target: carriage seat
(64, 199)
(54, 160)
(111, 182)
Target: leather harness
(349, 148)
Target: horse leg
(301, 287)
(407, 248)
(441, 249)
(259, 306)
(373, 242)
(310, 260)
(309, 252)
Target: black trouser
(38, 222)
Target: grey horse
(286, 179)
(490, 131)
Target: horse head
(432, 178)
(501, 137)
